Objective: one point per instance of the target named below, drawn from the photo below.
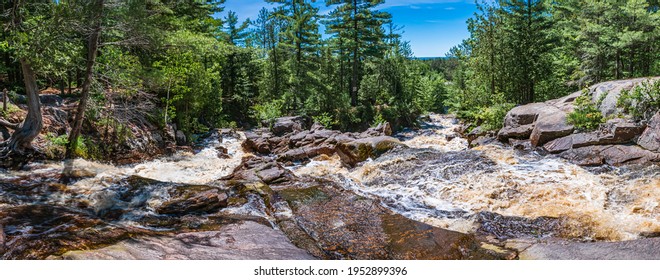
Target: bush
(56, 146)
(11, 109)
(585, 116)
(492, 118)
(325, 119)
(268, 111)
(642, 102)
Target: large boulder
(616, 131)
(360, 150)
(607, 94)
(286, 125)
(650, 139)
(551, 124)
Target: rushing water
(439, 181)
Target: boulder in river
(193, 199)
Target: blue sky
(431, 26)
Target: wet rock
(610, 154)
(193, 199)
(503, 227)
(642, 249)
(261, 170)
(360, 150)
(482, 141)
(523, 145)
(38, 231)
(222, 152)
(305, 153)
(241, 241)
(286, 125)
(347, 226)
(650, 139)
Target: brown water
(436, 180)
(443, 183)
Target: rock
(286, 125)
(360, 150)
(2, 240)
(222, 152)
(523, 145)
(613, 132)
(347, 226)
(51, 100)
(305, 153)
(242, 241)
(482, 141)
(503, 227)
(383, 129)
(642, 249)
(193, 199)
(610, 154)
(650, 139)
(551, 124)
(518, 122)
(476, 133)
(607, 93)
(181, 138)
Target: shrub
(642, 102)
(325, 119)
(585, 116)
(492, 118)
(268, 111)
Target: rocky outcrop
(545, 126)
(650, 139)
(293, 140)
(642, 249)
(241, 241)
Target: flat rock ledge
(242, 241)
(643, 249)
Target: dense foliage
(185, 62)
(523, 51)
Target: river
(437, 180)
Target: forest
(191, 64)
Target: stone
(181, 138)
(242, 241)
(360, 150)
(286, 125)
(347, 226)
(551, 124)
(51, 100)
(642, 249)
(193, 199)
(650, 138)
(610, 154)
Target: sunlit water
(441, 182)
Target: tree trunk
(354, 78)
(15, 151)
(89, 71)
(4, 100)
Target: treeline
(204, 71)
(523, 51)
